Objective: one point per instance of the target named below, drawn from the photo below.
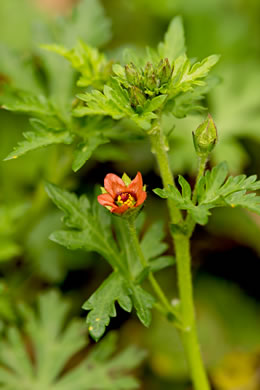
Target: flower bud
(137, 98)
(164, 71)
(131, 74)
(151, 79)
(148, 70)
(205, 137)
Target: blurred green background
(225, 253)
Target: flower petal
(136, 185)
(141, 198)
(120, 210)
(114, 185)
(106, 200)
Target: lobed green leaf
(102, 304)
(54, 345)
(40, 137)
(173, 45)
(215, 190)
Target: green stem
(155, 285)
(189, 333)
(159, 149)
(182, 249)
(202, 166)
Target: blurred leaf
(19, 13)
(49, 261)
(7, 307)
(54, 346)
(19, 71)
(85, 149)
(151, 243)
(88, 23)
(40, 137)
(174, 41)
(237, 224)
(238, 313)
(26, 102)
(22, 90)
(9, 249)
(236, 112)
(111, 152)
(9, 217)
(88, 61)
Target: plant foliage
(165, 81)
(88, 227)
(40, 358)
(215, 189)
(51, 110)
(141, 89)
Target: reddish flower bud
(119, 196)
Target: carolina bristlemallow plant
(160, 84)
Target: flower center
(126, 199)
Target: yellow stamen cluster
(130, 202)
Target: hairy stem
(159, 149)
(189, 333)
(182, 249)
(201, 169)
(202, 166)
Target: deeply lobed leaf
(53, 346)
(102, 304)
(215, 190)
(89, 228)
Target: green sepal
(126, 179)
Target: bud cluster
(148, 81)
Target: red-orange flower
(120, 197)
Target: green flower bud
(151, 79)
(137, 98)
(164, 71)
(148, 70)
(205, 137)
(131, 74)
